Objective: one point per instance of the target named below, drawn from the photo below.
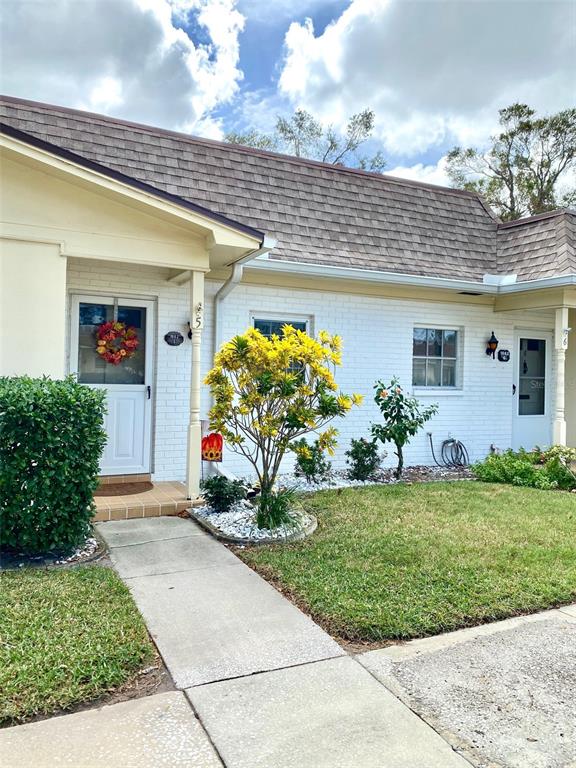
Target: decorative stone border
(297, 535)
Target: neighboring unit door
(128, 385)
(532, 424)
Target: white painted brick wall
(377, 337)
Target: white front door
(532, 423)
(128, 385)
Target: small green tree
(270, 391)
(403, 417)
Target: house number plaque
(173, 338)
(504, 355)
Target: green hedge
(51, 439)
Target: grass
(404, 561)
(66, 636)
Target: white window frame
(457, 389)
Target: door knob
(513, 389)
(148, 392)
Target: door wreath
(116, 341)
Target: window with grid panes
(434, 357)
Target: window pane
(92, 368)
(419, 373)
(532, 397)
(449, 343)
(434, 343)
(448, 373)
(532, 357)
(433, 373)
(419, 342)
(271, 327)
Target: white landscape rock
(240, 522)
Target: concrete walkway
(262, 686)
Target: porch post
(560, 346)
(194, 426)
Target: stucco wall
(377, 335)
(32, 309)
(571, 383)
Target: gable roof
(318, 213)
(141, 186)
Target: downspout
(225, 289)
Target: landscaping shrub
(544, 470)
(403, 417)
(311, 462)
(269, 392)
(363, 459)
(221, 493)
(274, 508)
(51, 439)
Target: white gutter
(397, 278)
(370, 275)
(563, 281)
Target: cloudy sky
(434, 71)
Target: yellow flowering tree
(270, 391)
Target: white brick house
(103, 219)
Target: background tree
(527, 161)
(303, 135)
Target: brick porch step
(167, 498)
(119, 479)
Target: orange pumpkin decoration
(212, 446)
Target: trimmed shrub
(311, 462)
(221, 493)
(363, 459)
(51, 440)
(546, 470)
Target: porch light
(492, 345)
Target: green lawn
(405, 561)
(66, 636)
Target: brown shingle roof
(318, 213)
(540, 246)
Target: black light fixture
(492, 346)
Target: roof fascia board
(352, 273)
(397, 278)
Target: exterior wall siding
(377, 338)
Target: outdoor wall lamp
(492, 346)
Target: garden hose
(452, 452)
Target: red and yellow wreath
(116, 341)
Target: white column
(560, 346)
(194, 426)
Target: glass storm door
(127, 384)
(531, 390)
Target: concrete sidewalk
(269, 689)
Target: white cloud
(272, 11)
(434, 71)
(128, 57)
(431, 174)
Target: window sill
(438, 391)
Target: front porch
(164, 498)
